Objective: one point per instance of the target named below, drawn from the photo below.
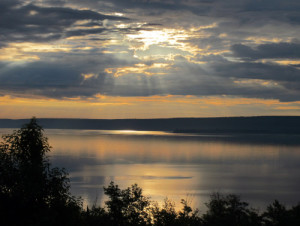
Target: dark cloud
(63, 76)
(50, 80)
(64, 79)
(267, 51)
(284, 80)
(186, 78)
(256, 71)
(244, 11)
(141, 4)
(36, 23)
(82, 32)
(38, 76)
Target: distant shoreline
(235, 125)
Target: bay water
(259, 168)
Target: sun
(166, 37)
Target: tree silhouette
(128, 206)
(30, 190)
(278, 215)
(229, 211)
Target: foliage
(229, 210)
(29, 187)
(277, 215)
(128, 206)
(167, 215)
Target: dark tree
(278, 215)
(229, 211)
(128, 206)
(31, 192)
(166, 215)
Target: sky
(149, 58)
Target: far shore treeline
(236, 125)
(32, 192)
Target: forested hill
(260, 124)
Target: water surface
(260, 168)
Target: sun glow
(28, 51)
(139, 69)
(177, 39)
(102, 106)
(167, 36)
(89, 76)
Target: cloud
(256, 71)
(64, 78)
(36, 23)
(243, 11)
(267, 51)
(203, 48)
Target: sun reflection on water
(174, 165)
